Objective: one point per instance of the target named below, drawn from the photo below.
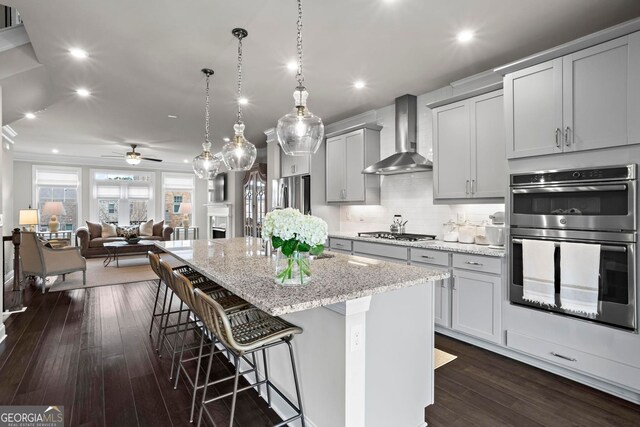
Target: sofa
(91, 242)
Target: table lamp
(185, 209)
(29, 217)
(54, 209)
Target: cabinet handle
(443, 283)
(339, 245)
(473, 185)
(570, 359)
(473, 263)
(343, 194)
(466, 187)
(567, 141)
(453, 282)
(427, 257)
(558, 133)
(293, 168)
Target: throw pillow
(158, 227)
(95, 229)
(109, 230)
(127, 231)
(146, 228)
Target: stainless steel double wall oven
(596, 205)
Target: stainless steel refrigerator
(292, 192)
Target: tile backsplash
(410, 195)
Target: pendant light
(207, 165)
(239, 154)
(300, 132)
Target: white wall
(2, 206)
(6, 206)
(409, 195)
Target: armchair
(41, 261)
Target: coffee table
(113, 250)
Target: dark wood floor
(90, 351)
(483, 388)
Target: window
(178, 188)
(122, 197)
(58, 184)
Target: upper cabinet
(294, 165)
(469, 147)
(348, 154)
(586, 100)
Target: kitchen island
(366, 354)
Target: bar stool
(154, 261)
(241, 333)
(230, 303)
(200, 282)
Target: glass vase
(293, 270)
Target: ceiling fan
(132, 157)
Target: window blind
(108, 191)
(178, 181)
(139, 192)
(66, 178)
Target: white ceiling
(146, 56)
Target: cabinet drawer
(340, 244)
(478, 263)
(605, 369)
(430, 256)
(386, 251)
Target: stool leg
(255, 372)
(204, 390)
(295, 379)
(266, 376)
(175, 340)
(183, 341)
(195, 381)
(162, 314)
(166, 323)
(235, 390)
(155, 307)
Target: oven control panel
(615, 173)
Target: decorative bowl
(133, 240)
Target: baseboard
(3, 335)
(590, 381)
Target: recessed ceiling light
(292, 66)
(30, 116)
(83, 92)
(78, 53)
(55, 151)
(186, 161)
(226, 139)
(359, 84)
(171, 116)
(465, 36)
(243, 101)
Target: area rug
(441, 358)
(133, 268)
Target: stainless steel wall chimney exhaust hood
(406, 159)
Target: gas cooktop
(406, 237)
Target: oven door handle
(602, 247)
(581, 188)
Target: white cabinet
(348, 153)
(586, 100)
(475, 304)
(469, 147)
(294, 165)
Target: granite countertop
(241, 266)
(438, 245)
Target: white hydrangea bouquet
(296, 236)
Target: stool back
(154, 261)
(215, 319)
(184, 289)
(166, 273)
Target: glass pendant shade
(300, 132)
(133, 158)
(207, 165)
(239, 154)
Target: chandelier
(207, 165)
(239, 154)
(300, 132)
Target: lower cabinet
(475, 305)
(442, 303)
